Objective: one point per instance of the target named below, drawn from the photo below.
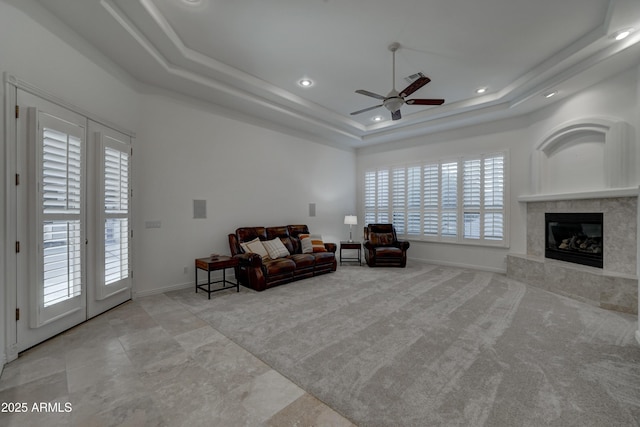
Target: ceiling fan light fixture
(377, 118)
(393, 104)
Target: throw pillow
(317, 243)
(257, 247)
(305, 243)
(245, 247)
(276, 248)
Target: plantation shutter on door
(59, 149)
(114, 222)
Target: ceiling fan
(394, 99)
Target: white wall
(248, 175)
(615, 98)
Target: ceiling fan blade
(424, 101)
(415, 86)
(396, 115)
(366, 109)
(371, 94)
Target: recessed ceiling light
(305, 82)
(550, 94)
(481, 90)
(377, 118)
(623, 34)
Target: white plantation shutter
(494, 197)
(472, 180)
(449, 194)
(61, 205)
(431, 199)
(454, 201)
(494, 182)
(376, 196)
(116, 182)
(413, 200)
(115, 192)
(59, 209)
(382, 196)
(399, 192)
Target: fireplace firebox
(574, 237)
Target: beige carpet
(439, 346)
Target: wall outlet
(152, 224)
(186, 270)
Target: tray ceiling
(248, 56)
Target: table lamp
(351, 220)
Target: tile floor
(152, 362)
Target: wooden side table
(351, 245)
(213, 264)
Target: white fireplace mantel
(597, 194)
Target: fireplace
(574, 237)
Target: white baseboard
(149, 292)
(176, 287)
(460, 265)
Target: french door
(72, 219)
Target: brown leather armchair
(382, 247)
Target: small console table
(213, 264)
(352, 246)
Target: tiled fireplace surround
(615, 286)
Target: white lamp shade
(351, 220)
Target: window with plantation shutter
(471, 181)
(399, 192)
(431, 199)
(454, 201)
(413, 200)
(449, 197)
(376, 195)
(494, 197)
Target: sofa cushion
(303, 260)
(278, 266)
(324, 257)
(276, 248)
(388, 252)
(246, 234)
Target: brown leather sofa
(259, 274)
(382, 247)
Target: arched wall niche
(598, 153)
